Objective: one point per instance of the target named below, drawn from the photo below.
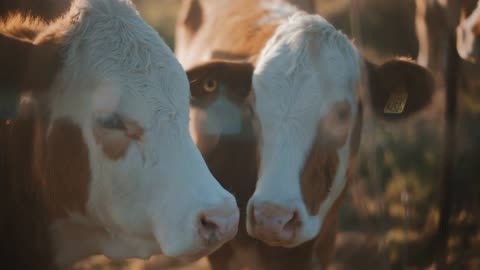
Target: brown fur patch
(324, 246)
(214, 35)
(305, 5)
(191, 16)
(43, 179)
(321, 164)
(67, 173)
(317, 176)
(476, 28)
(24, 223)
(114, 142)
(133, 130)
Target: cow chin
(281, 225)
(300, 237)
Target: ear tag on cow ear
(396, 102)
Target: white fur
(305, 68)
(149, 200)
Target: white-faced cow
(289, 158)
(437, 20)
(100, 159)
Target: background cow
(100, 160)
(437, 20)
(305, 128)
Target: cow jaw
(76, 238)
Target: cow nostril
(273, 223)
(218, 224)
(293, 223)
(209, 229)
(208, 224)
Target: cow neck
(25, 225)
(44, 169)
(233, 162)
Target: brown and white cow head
(309, 84)
(117, 97)
(468, 35)
(308, 95)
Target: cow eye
(210, 85)
(111, 121)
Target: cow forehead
(304, 70)
(144, 99)
(150, 81)
(131, 71)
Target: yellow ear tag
(396, 102)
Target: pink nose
(218, 225)
(274, 224)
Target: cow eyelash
(111, 121)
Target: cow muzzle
(274, 224)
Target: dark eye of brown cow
(111, 121)
(210, 85)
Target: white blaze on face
(123, 86)
(305, 69)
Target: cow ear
(191, 15)
(234, 77)
(27, 66)
(398, 88)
